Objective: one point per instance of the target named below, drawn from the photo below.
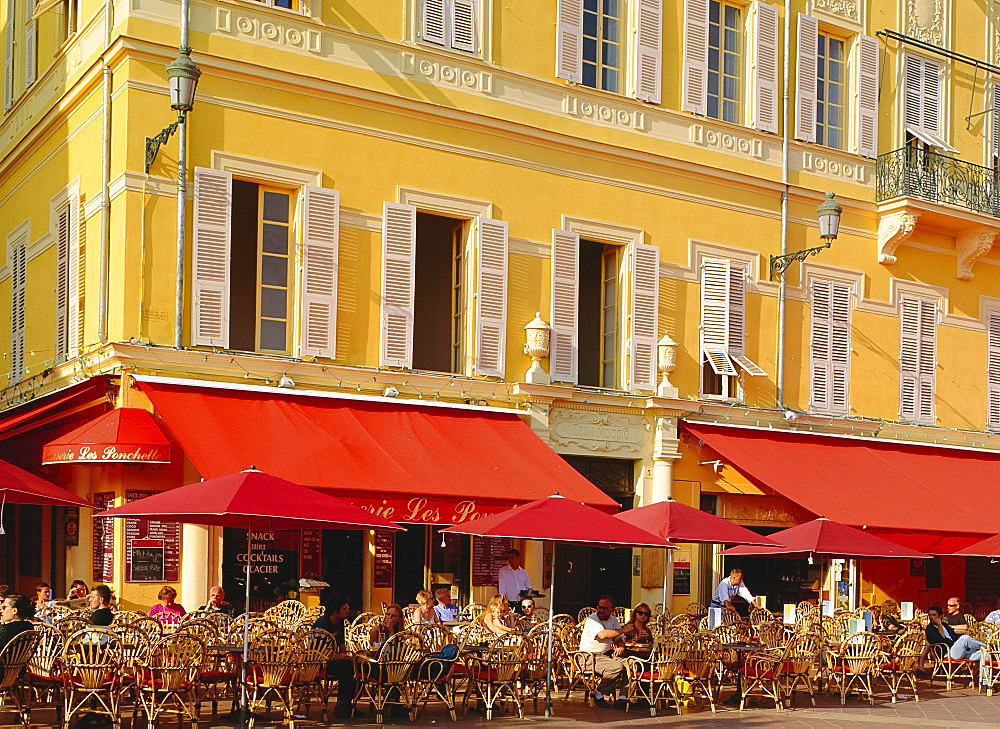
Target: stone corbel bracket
(893, 229)
(970, 246)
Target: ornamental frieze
(598, 432)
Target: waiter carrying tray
(513, 579)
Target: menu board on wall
(385, 543)
(682, 578)
(103, 539)
(147, 560)
(169, 533)
(489, 554)
(311, 554)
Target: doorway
(343, 564)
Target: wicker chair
(437, 675)
(584, 613)
(494, 676)
(991, 665)
(390, 673)
(221, 620)
(433, 636)
(536, 661)
(168, 621)
(134, 645)
(14, 659)
(310, 677)
(271, 663)
(167, 681)
(92, 662)
(856, 664)
(72, 623)
(696, 610)
(800, 658)
(771, 635)
(45, 668)
(471, 611)
(541, 615)
(764, 672)
(220, 671)
(653, 680)
(206, 630)
(126, 617)
(286, 613)
(983, 631)
(950, 668)
(150, 626)
(901, 663)
(701, 658)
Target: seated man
(602, 636)
(954, 616)
(336, 608)
(100, 602)
(217, 602)
(446, 610)
(938, 631)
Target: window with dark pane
(831, 90)
(725, 54)
(439, 297)
(602, 38)
(274, 284)
(597, 311)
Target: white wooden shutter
(643, 317)
(8, 66)
(931, 97)
(463, 25)
(565, 265)
(399, 243)
(491, 296)
(210, 265)
(74, 289)
(737, 321)
(913, 92)
(648, 49)
(765, 69)
(433, 21)
(30, 44)
(320, 240)
(569, 40)
(909, 350)
(805, 79)
(821, 326)
(840, 348)
(694, 81)
(61, 232)
(17, 262)
(715, 281)
(927, 359)
(867, 96)
(993, 371)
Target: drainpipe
(782, 290)
(181, 203)
(105, 245)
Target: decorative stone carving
(606, 113)
(597, 431)
(536, 334)
(925, 20)
(893, 229)
(970, 246)
(449, 73)
(847, 9)
(727, 141)
(260, 28)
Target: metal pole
(244, 708)
(780, 374)
(181, 202)
(552, 609)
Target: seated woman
(392, 623)
(425, 613)
(167, 606)
(494, 616)
(640, 620)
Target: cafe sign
(98, 453)
(122, 435)
(430, 510)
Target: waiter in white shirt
(730, 588)
(513, 578)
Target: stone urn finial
(666, 362)
(536, 334)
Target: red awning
(407, 461)
(124, 435)
(60, 400)
(916, 491)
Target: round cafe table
(741, 649)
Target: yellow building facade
(384, 194)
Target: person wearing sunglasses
(641, 615)
(954, 616)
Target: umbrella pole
(668, 561)
(245, 710)
(552, 609)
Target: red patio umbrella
(250, 500)
(558, 519)
(682, 523)
(20, 487)
(989, 547)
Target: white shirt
(993, 617)
(513, 581)
(727, 591)
(593, 625)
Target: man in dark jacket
(100, 602)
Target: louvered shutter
(805, 79)
(463, 25)
(61, 232)
(565, 264)
(8, 66)
(569, 40)
(715, 280)
(648, 50)
(213, 209)
(913, 92)
(867, 96)
(643, 318)
(320, 240)
(932, 97)
(927, 358)
(840, 348)
(432, 22)
(30, 44)
(694, 81)
(17, 264)
(765, 70)
(909, 349)
(993, 371)
(819, 345)
(399, 242)
(737, 321)
(491, 297)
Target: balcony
(946, 194)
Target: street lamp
(182, 76)
(828, 213)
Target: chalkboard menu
(147, 560)
(385, 542)
(311, 554)
(682, 578)
(489, 554)
(103, 539)
(169, 533)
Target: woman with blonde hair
(424, 613)
(492, 618)
(392, 623)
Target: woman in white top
(425, 613)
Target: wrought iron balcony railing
(914, 172)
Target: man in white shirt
(601, 636)
(730, 588)
(513, 578)
(446, 610)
